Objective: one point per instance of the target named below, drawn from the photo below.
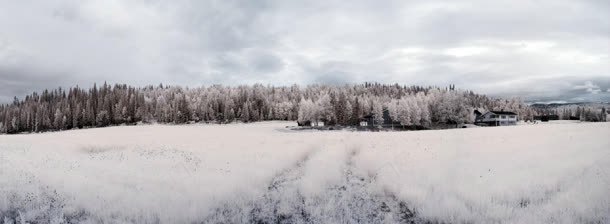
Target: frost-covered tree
(308, 111)
(347, 113)
(57, 115)
(392, 108)
(324, 108)
(377, 113)
(103, 118)
(403, 109)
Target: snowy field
(265, 173)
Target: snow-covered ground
(265, 173)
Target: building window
(503, 117)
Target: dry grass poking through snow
(261, 173)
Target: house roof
(503, 112)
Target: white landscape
(304, 112)
(266, 173)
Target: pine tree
(377, 113)
(356, 112)
(58, 119)
(245, 112)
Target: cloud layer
(539, 50)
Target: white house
(317, 123)
(496, 118)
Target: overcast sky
(540, 50)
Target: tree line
(593, 112)
(106, 105)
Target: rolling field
(266, 173)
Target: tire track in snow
(357, 201)
(354, 200)
(281, 203)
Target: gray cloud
(17, 81)
(538, 50)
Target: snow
(556, 173)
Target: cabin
(495, 118)
(369, 121)
(317, 124)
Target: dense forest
(106, 105)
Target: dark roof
(503, 112)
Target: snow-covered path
(352, 200)
(261, 173)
